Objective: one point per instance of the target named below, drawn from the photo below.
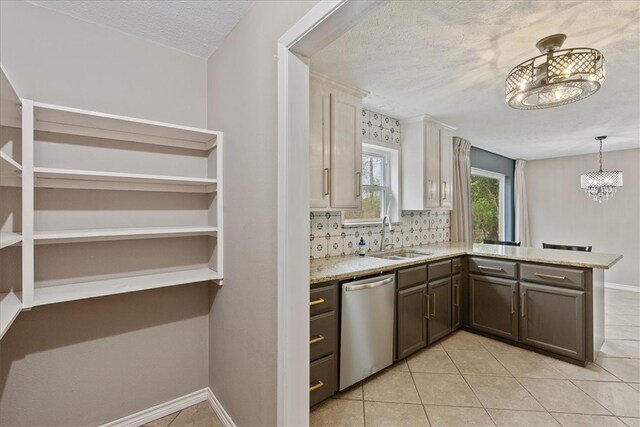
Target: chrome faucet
(382, 244)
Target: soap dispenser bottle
(361, 247)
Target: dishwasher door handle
(368, 285)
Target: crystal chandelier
(601, 185)
(557, 77)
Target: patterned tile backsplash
(381, 128)
(329, 238)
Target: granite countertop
(352, 266)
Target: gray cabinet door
(439, 324)
(456, 302)
(553, 319)
(493, 305)
(412, 331)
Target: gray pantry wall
(93, 361)
(242, 96)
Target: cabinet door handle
(316, 338)
(484, 267)
(428, 300)
(326, 181)
(513, 304)
(458, 297)
(444, 190)
(523, 299)
(358, 183)
(434, 306)
(316, 301)
(430, 189)
(316, 386)
(549, 276)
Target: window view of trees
(485, 208)
(373, 189)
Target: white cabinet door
(319, 145)
(432, 166)
(446, 169)
(346, 151)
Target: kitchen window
(376, 188)
(487, 205)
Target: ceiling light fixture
(557, 77)
(601, 185)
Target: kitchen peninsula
(545, 300)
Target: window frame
(502, 195)
(386, 188)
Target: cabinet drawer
(322, 299)
(566, 277)
(439, 270)
(457, 265)
(322, 379)
(493, 267)
(322, 335)
(412, 276)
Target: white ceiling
(449, 59)
(195, 27)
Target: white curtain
(461, 215)
(520, 200)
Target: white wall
(560, 212)
(93, 361)
(242, 83)
(55, 58)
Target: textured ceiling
(449, 59)
(195, 27)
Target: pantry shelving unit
(10, 203)
(112, 204)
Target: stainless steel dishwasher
(366, 339)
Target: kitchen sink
(402, 255)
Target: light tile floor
(444, 385)
(469, 380)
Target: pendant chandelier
(557, 77)
(601, 185)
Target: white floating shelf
(54, 118)
(10, 307)
(97, 180)
(92, 289)
(10, 171)
(9, 239)
(96, 235)
(10, 114)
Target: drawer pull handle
(316, 301)
(316, 386)
(484, 267)
(549, 276)
(315, 339)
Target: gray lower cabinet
(411, 327)
(493, 305)
(439, 316)
(553, 319)
(323, 339)
(456, 302)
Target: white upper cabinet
(446, 168)
(335, 146)
(319, 145)
(427, 164)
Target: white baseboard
(178, 404)
(621, 287)
(219, 409)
